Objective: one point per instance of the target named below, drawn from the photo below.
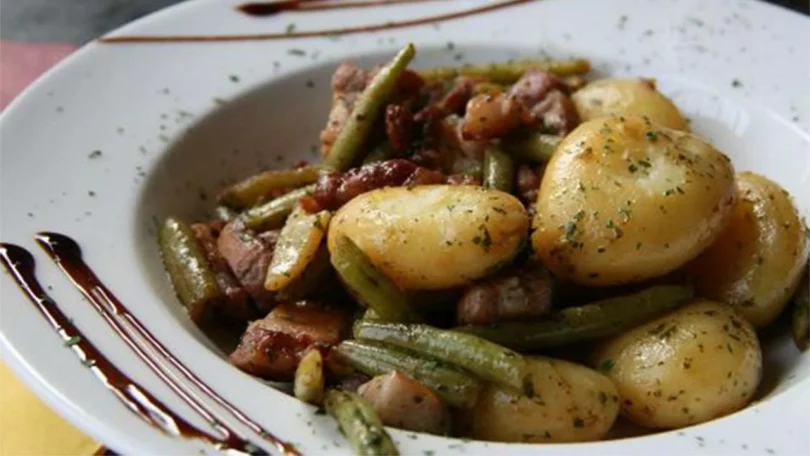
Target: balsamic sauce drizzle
(67, 255)
(20, 264)
(292, 5)
(271, 8)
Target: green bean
(536, 148)
(457, 388)
(224, 213)
(192, 278)
(272, 214)
(598, 319)
(800, 319)
(380, 153)
(311, 279)
(255, 189)
(297, 244)
(483, 358)
(309, 381)
(369, 106)
(508, 73)
(360, 424)
(499, 171)
(372, 287)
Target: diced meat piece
(237, 305)
(334, 189)
(452, 102)
(534, 85)
(527, 183)
(555, 113)
(399, 127)
(272, 347)
(248, 256)
(349, 78)
(404, 403)
(544, 101)
(450, 134)
(490, 116)
(522, 294)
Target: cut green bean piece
(191, 275)
(499, 171)
(483, 358)
(508, 73)
(457, 388)
(536, 148)
(800, 319)
(272, 214)
(370, 285)
(309, 380)
(255, 189)
(344, 152)
(360, 424)
(574, 324)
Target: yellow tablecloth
(29, 427)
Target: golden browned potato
(757, 261)
(571, 403)
(695, 364)
(627, 97)
(434, 236)
(623, 200)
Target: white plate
(155, 112)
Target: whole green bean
(360, 424)
(309, 379)
(499, 171)
(598, 319)
(509, 72)
(536, 148)
(272, 214)
(191, 275)
(800, 318)
(255, 189)
(457, 388)
(483, 358)
(372, 287)
(345, 150)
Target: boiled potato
(571, 403)
(627, 97)
(756, 262)
(695, 364)
(623, 200)
(434, 236)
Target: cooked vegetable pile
(506, 252)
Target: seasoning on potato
(623, 200)
(756, 263)
(571, 403)
(434, 236)
(698, 363)
(627, 97)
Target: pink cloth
(21, 63)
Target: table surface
(35, 34)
